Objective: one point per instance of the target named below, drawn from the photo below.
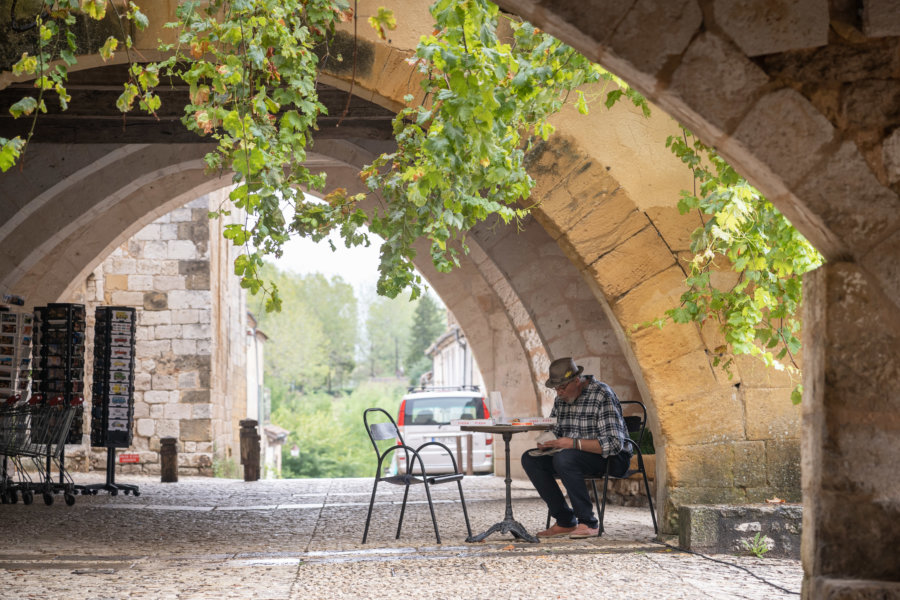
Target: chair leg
(402, 511)
(431, 508)
(548, 520)
(603, 506)
(650, 501)
(597, 502)
(369, 515)
(465, 512)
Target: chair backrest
(382, 429)
(636, 423)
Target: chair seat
(402, 479)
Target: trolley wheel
(13, 496)
(113, 492)
(28, 497)
(93, 492)
(48, 498)
(70, 499)
(137, 492)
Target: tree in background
(429, 321)
(388, 326)
(311, 346)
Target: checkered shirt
(595, 415)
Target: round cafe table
(508, 524)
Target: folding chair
(387, 430)
(634, 424)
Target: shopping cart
(35, 432)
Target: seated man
(590, 432)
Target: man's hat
(562, 371)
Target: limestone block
(167, 332)
(142, 381)
(168, 428)
(115, 282)
(196, 430)
(674, 227)
(202, 411)
(123, 298)
(650, 299)
(608, 226)
(120, 266)
(871, 103)
(166, 283)
(148, 457)
(770, 414)
(653, 345)
(156, 411)
(751, 372)
(783, 468)
(722, 529)
(182, 299)
(190, 446)
(196, 332)
(168, 231)
(181, 250)
(140, 282)
(882, 261)
(195, 396)
(185, 316)
(156, 396)
(787, 133)
(775, 25)
(153, 250)
(164, 382)
(188, 380)
(141, 410)
(716, 78)
(890, 152)
(180, 215)
(177, 411)
(847, 175)
(153, 348)
(626, 266)
(145, 427)
(154, 301)
(690, 415)
(550, 163)
(158, 317)
(749, 464)
(655, 30)
(881, 18)
(707, 465)
(184, 347)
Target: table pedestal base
(506, 526)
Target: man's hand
(563, 443)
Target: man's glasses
(563, 386)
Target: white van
(425, 416)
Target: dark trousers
(571, 466)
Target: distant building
(452, 363)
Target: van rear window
(440, 411)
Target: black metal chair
(634, 424)
(387, 430)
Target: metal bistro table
(508, 524)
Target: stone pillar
(168, 458)
(250, 449)
(851, 427)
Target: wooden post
(168, 459)
(250, 449)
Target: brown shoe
(556, 530)
(583, 531)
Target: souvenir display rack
(16, 333)
(112, 411)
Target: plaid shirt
(595, 415)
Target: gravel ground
(215, 538)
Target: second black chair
(387, 430)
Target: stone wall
(190, 361)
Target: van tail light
(487, 413)
(400, 419)
(488, 440)
(400, 455)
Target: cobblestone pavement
(300, 539)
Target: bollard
(168, 459)
(250, 449)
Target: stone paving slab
(215, 538)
